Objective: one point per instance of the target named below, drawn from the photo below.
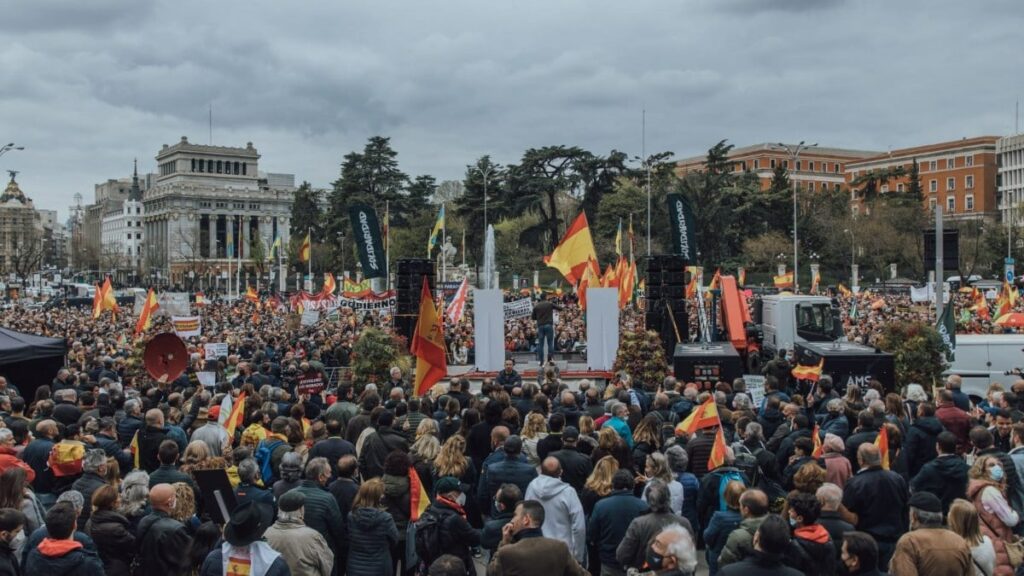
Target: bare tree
(189, 255)
(28, 256)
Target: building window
(201, 165)
(933, 185)
(220, 166)
(885, 188)
(933, 166)
(129, 235)
(237, 168)
(969, 203)
(836, 168)
(810, 186)
(969, 182)
(969, 160)
(798, 163)
(785, 164)
(193, 164)
(950, 163)
(899, 187)
(950, 204)
(244, 164)
(138, 235)
(757, 164)
(950, 183)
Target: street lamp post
(486, 174)
(8, 147)
(794, 154)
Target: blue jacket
(723, 522)
(609, 522)
(835, 424)
(126, 430)
(246, 492)
(504, 471)
(54, 561)
(372, 534)
(620, 426)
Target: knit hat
(213, 413)
(447, 484)
(926, 502)
(291, 501)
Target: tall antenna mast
(211, 123)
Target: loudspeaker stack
(408, 287)
(666, 290)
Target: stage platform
(572, 369)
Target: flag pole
(387, 243)
(309, 234)
(444, 240)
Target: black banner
(366, 233)
(680, 214)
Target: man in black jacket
(865, 433)
(876, 501)
(510, 470)
(11, 524)
(457, 536)
(162, 540)
(919, 445)
(94, 468)
(509, 378)
(576, 467)
(379, 444)
(131, 423)
(150, 438)
(812, 550)
(798, 429)
(553, 441)
(544, 315)
(946, 475)
(505, 504)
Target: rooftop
(185, 146)
(930, 148)
(774, 147)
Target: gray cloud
(87, 86)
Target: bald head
(155, 418)
(47, 428)
(754, 503)
(551, 467)
(161, 497)
(868, 456)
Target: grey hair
(292, 516)
(75, 497)
(720, 397)
(133, 405)
(741, 401)
(872, 394)
(658, 496)
(247, 471)
(754, 430)
(317, 467)
(94, 459)
(618, 406)
(877, 406)
(929, 519)
(4, 400)
(678, 459)
(915, 393)
(690, 393)
(134, 492)
(835, 405)
(830, 496)
(6, 434)
(370, 387)
(682, 548)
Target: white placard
(310, 317)
(187, 326)
(755, 387)
(522, 308)
(208, 379)
(602, 327)
(216, 350)
(489, 330)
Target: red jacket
(9, 459)
(958, 422)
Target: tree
(914, 189)
(470, 205)
(448, 192)
(307, 217)
(917, 349)
(371, 177)
(868, 184)
(627, 198)
(420, 192)
(761, 252)
(536, 184)
(780, 180)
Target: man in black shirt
(544, 315)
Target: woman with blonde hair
(372, 532)
(597, 487)
(657, 468)
(588, 439)
(964, 520)
(646, 440)
(452, 461)
(424, 451)
(535, 428)
(185, 506)
(199, 457)
(986, 489)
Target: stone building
(121, 252)
(22, 245)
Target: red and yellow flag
(251, 295)
(146, 316)
(136, 453)
(812, 373)
(845, 291)
(717, 457)
(428, 345)
(609, 280)
(419, 500)
(741, 277)
(591, 278)
(703, 416)
(691, 287)
(329, 284)
(715, 280)
(1004, 303)
(882, 441)
(571, 255)
(627, 282)
(235, 418)
(97, 302)
(980, 305)
(816, 437)
(66, 458)
(815, 280)
(306, 249)
(201, 299)
(784, 281)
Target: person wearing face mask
(671, 553)
(812, 550)
(929, 548)
(11, 524)
(986, 489)
(161, 538)
(524, 549)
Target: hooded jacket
(740, 543)
(811, 551)
(563, 514)
(945, 476)
(377, 447)
(396, 501)
(62, 558)
(114, 540)
(835, 423)
(919, 445)
(372, 534)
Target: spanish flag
(618, 239)
(97, 302)
(816, 437)
(329, 284)
(305, 251)
(591, 277)
(882, 441)
(715, 280)
(1004, 303)
(703, 416)
(627, 286)
(811, 373)
(146, 316)
(845, 291)
(815, 280)
(571, 255)
(609, 280)
(66, 458)
(980, 305)
(136, 453)
(691, 288)
(234, 420)
(419, 500)
(428, 345)
(435, 234)
(717, 458)
(251, 295)
(878, 304)
(274, 249)
(784, 281)
(741, 277)
(201, 299)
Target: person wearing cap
(304, 549)
(929, 548)
(457, 536)
(243, 551)
(576, 467)
(212, 433)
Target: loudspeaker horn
(165, 357)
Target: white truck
(982, 359)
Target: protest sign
(187, 326)
(311, 382)
(216, 350)
(755, 387)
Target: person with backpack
(272, 449)
(712, 487)
(740, 542)
(812, 550)
(443, 528)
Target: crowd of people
(105, 471)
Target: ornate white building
(122, 235)
(199, 193)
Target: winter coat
(610, 521)
(321, 513)
(709, 497)
(126, 430)
(504, 471)
(9, 565)
(945, 476)
(759, 564)
(640, 452)
(372, 535)
(532, 554)
(932, 551)
(958, 422)
(114, 540)
(162, 541)
(576, 467)
(865, 436)
(304, 549)
(214, 564)
(396, 501)
(9, 459)
(879, 498)
(62, 558)
(723, 522)
(919, 443)
(740, 542)
(563, 514)
(991, 525)
(457, 536)
(632, 550)
(770, 421)
(37, 456)
(691, 488)
(376, 448)
(87, 484)
(620, 452)
(837, 468)
(835, 423)
(812, 551)
(246, 492)
(490, 536)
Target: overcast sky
(86, 86)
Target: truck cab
(789, 319)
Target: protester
(769, 546)
(161, 538)
(372, 532)
(59, 553)
(12, 523)
(963, 519)
(609, 521)
(111, 531)
(524, 550)
(243, 545)
(929, 548)
(987, 491)
(457, 536)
